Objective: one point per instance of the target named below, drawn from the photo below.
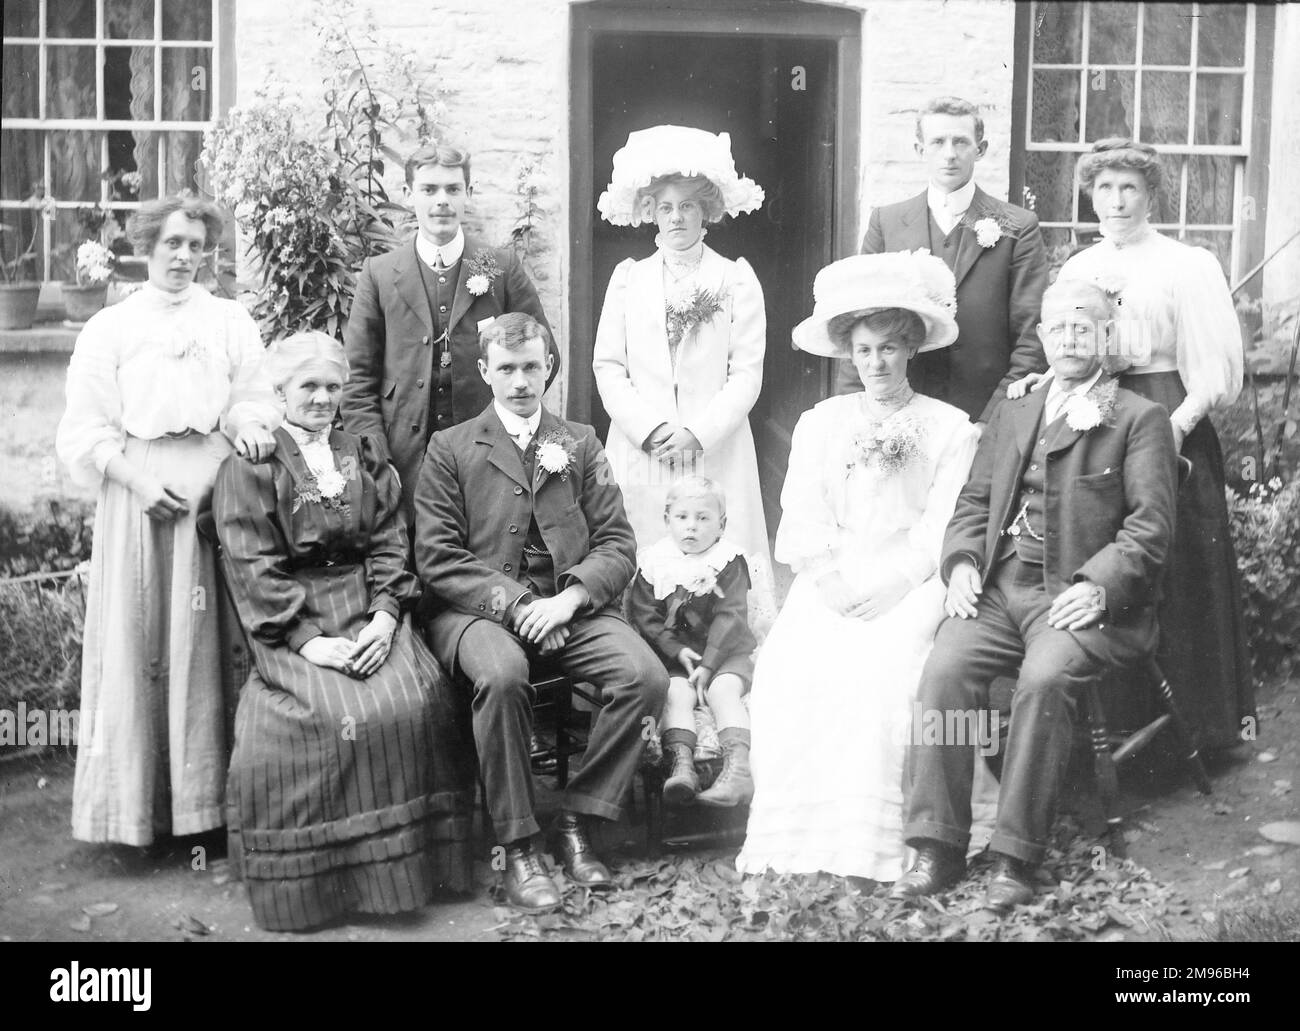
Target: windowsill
(53, 337)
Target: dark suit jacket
(473, 504)
(999, 297)
(1109, 516)
(715, 625)
(391, 351)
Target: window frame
(1250, 156)
(221, 86)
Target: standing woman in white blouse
(1178, 326)
(160, 387)
(679, 350)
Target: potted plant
(20, 290)
(87, 294)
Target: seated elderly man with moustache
(523, 542)
(1052, 561)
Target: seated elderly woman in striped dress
(349, 788)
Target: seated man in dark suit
(1051, 559)
(521, 538)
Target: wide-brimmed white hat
(915, 280)
(667, 149)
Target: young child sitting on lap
(688, 601)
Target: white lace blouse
(156, 364)
(1175, 305)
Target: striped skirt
(348, 795)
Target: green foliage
(316, 205)
(1265, 526)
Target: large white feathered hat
(663, 150)
(915, 280)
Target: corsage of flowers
(1084, 412)
(687, 312)
(483, 271)
(555, 454)
(892, 446)
(325, 489)
(1111, 285)
(988, 231)
(704, 582)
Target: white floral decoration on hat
(668, 149)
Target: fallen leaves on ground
(1086, 894)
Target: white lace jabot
(666, 568)
(315, 447)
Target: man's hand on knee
(543, 616)
(1077, 607)
(964, 589)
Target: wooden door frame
(723, 18)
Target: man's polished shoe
(573, 849)
(528, 886)
(937, 868)
(1011, 884)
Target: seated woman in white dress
(871, 485)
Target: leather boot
(573, 848)
(1011, 884)
(937, 868)
(528, 887)
(735, 784)
(683, 782)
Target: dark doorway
(777, 81)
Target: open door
(783, 81)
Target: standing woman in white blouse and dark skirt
(1178, 325)
(160, 388)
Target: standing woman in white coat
(679, 350)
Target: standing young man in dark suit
(412, 334)
(996, 254)
(521, 539)
(1052, 560)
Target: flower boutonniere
(891, 446)
(687, 312)
(1084, 412)
(325, 490)
(988, 231)
(555, 454)
(483, 271)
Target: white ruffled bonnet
(667, 149)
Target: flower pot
(81, 302)
(18, 304)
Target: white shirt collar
(450, 253)
(517, 426)
(955, 203)
(1056, 396)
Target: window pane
(70, 80)
(1055, 118)
(186, 84)
(1058, 33)
(1167, 34)
(22, 229)
(125, 151)
(1222, 41)
(1050, 177)
(128, 82)
(188, 20)
(21, 20)
(128, 19)
(22, 163)
(1210, 185)
(1218, 109)
(1164, 106)
(74, 165)
(181, 160)
(1169, 196)
(70, 19)
(1112, 34)
(143, 156)
(1218, 243)
(1110, 104)
(22, 81)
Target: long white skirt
(832, 707)
(153, 744)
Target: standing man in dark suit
(521, 539)
(1052, 560)
(996, 254)
(412, 334)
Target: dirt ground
(1209, 849)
